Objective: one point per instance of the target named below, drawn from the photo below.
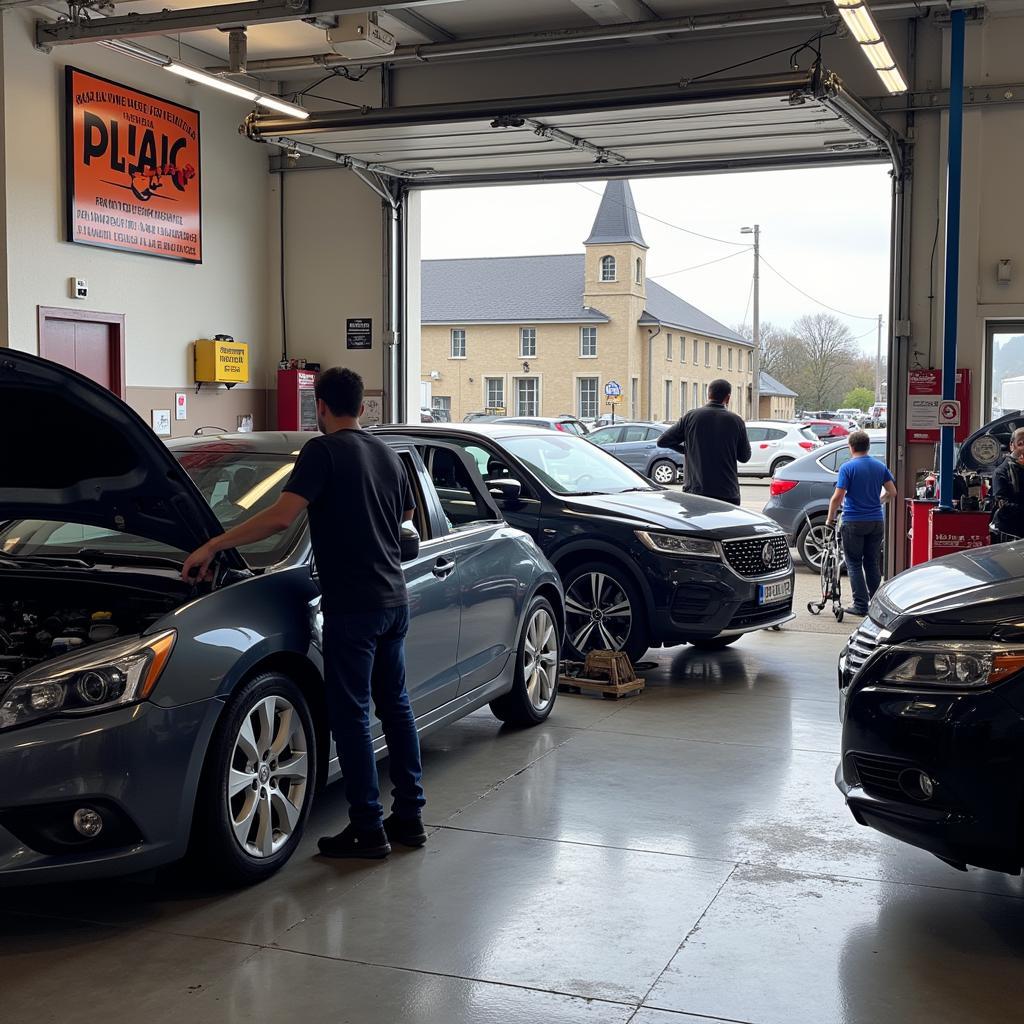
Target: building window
(682, 349)
(668, 347)
(750, 361)
(527, 342)
(441, 408)
(696, 352)
(527, 396)
(588, 342)
(707, 353)
(696, 394)
(607, 268)
(730, 359)
(586, 398)
(667, 414)
(719, 356)
(682, 397)
(634, 398)
(705, 392)
(458, 344)
(494, 395)
(639, 271)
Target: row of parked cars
(143, 718)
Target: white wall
(167, 305)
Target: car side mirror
(505, 490)
(410, 541)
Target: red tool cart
(296, 400)
(950, 531)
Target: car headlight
(117, 673)
(675, 544)
(965, 663)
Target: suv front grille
(861, 646)
(758, 556)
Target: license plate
(770, 593)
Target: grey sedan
(636, 444)
(800, 492)
(143, 717)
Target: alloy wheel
(540, 660)
(664, 473)
(598, 613)
(268, 777)
(815, 543)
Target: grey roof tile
(768, 385)
(665, 307)
(616, 219)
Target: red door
(91, 343)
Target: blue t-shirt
(862, 479)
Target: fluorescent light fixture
(862, 27)
(859, 21)
(195, 75)
(205, 78)
(130, 49)
(282, 106)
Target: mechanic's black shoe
(853, 611)
(407, 831)
(371, 843)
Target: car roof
(772, 423)
(497, 431)
(843, 442)
(265, 442)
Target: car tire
(535, 681)
(810, 543)
(715, 643)
(614, 588)
(234, 834)
(663, 472)
(779, 463)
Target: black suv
(932, 700)
(641, 565)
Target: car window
(835, 459)
(819, 429)
(609, 435)
(572, 427)
(634, 434)
(571, 465)
(774, 434)
(755, 433)
(653, 433)
(461, 495)
(421, 519)
(492, 466)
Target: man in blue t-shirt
(863, 484)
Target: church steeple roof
(616, 219)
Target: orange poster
(133, 170)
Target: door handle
(443, 569)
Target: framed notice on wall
(133, 179)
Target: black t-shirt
(358, 494)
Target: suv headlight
(953, 663)
(117, 673)
(676, 544)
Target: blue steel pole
(954, 162)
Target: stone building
(776, 400)
(543, 335)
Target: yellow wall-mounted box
(222, 362)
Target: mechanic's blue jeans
(862, 548)
(364, 656)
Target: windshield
(236, 484)
(571, 465)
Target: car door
(757, 463)
(606, 438)
(480, 545)
(635, 447)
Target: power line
(852, 316)
(697, 266)
(666, 223)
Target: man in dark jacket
(713, 439)
(1008, 490)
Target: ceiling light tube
(879, 56)
(892, 80)
(282, 106)
(195, 75)
(859, 21)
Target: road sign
(614, 399)
(613, 389)
(949, 414)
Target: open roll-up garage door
(797, 119)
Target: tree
(829, 354)
(859, 398)
(781, 350)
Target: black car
(641, 565)
(932, 702)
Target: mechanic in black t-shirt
(357, 493)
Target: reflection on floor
(679, 857)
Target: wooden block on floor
(611, 691)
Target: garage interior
(679, 856)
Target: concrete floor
(679, 857)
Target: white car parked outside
(775, 444)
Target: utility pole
(755, 384)
(878, 364)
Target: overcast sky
(826, 230)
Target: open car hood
(987, 447)
(73, 451)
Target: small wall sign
(359, 333)
(180, 405)
(161, 419)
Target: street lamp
(755, 384)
